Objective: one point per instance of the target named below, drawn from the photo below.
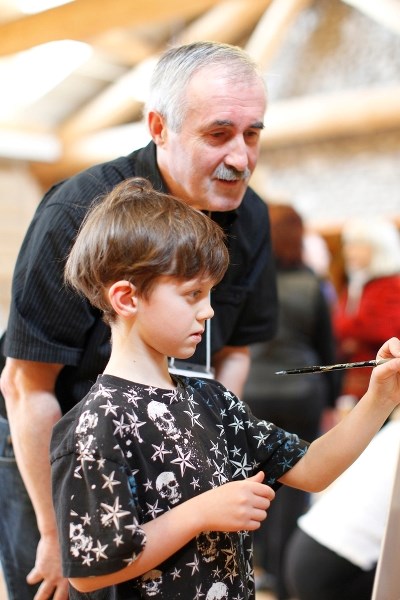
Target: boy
(157, 480)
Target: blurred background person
(304, 337)
(334, 551)
(317, 256)
(368, 309)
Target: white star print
(148, 485)
(199, 593)
(99, 550)
(109, 408)
(235, 451)
(109, 482)
(241, 467)
(160, 451)
(183, 460)
(100, 463)
(214, 448)
(237, 424)
(195, 483)
(132, 397)
(135, 424)
(151, 390)
(192, 401)
(85, 452)
(134, 527)
(219, 473)
(194, 564)
(173, 396)
(86, 520)
(86, 560)
(176, 573)
(104, 392)
(153, 509)
(120, 426)
(113, 513)
(222, 428)
(118, 539)
(194, 417)
(262, 437)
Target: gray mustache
(230, 173)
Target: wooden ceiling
(127, 37)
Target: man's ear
(157, 128)
(123, 298)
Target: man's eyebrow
(228, 123)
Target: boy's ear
(123, 298)
(157, 128)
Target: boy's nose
(206, 312)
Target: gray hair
(177, 66)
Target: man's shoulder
(97, 180)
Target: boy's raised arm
(332, 453)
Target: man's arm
(32, 409)
(232, 365)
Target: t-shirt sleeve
(259, 444)
(96, 509)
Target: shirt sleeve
(48, 321)
(94, 496)
(257, 444)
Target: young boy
(158, 479)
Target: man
(205, 115)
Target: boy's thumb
(259, 477)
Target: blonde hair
(138, 234)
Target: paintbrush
(340, 366)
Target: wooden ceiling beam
(384, 12)
(340, 114)
(118, 104)
(82, 19)
(272, 28)
(226, 22)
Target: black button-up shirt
(50, 323)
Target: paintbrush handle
(337, 367)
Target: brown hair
(138, 234)
(286, 234)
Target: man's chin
(225, 204)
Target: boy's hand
(385, 378)
(237, 505)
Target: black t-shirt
(50, 323)
(128, 452)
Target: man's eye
(252, 134)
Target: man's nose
(237, 156)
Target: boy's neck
(145, 372)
